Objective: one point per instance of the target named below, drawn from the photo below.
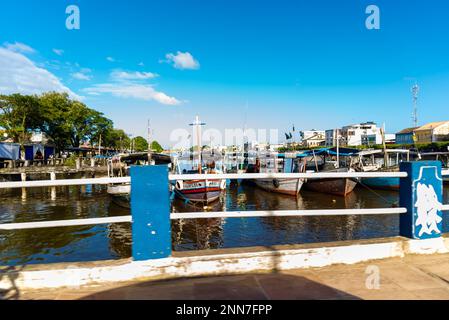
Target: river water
(87, 243)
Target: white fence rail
(445, 172)
(285, 213)
(64, 223)
(65, 182)
(206, 215)
(311, 175)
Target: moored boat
(203, 190)
(276, 164)
(379, 161)
(335, 186)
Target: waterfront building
(361, 134)
(405, 136)
(432, 132)
(330, 138)
(315, 140)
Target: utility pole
(415, 91)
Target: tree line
(66, 122)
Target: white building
(311, 133)
(360, 134)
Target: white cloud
(18, 74)
(59, 52)
(19, 47)
(110, 59)
(141, 64)
(182, 60)
(136, 75)
(81, 76)
(136, 91)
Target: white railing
(445, 172)
(204, 215)
(309, 175)
(65, 182)
(63, 223)
(285, 213)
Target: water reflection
(114, 241)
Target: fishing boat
(382, 161)
(202, 190)
(278, 163)
(335, 186)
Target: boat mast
(149, 143)
(198, 125)
(338, 148)
(384, 146)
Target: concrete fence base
(217, 262)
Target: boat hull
(383, 183)
(283, 186)
(121, 195)
(204, 191)
(340, 187)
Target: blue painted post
(422, 194)
(150, 210)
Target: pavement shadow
(10, 273)
(254, 286)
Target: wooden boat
(275, 164)
(335, 186)
(374, 161)
(203, 191)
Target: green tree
(116, 139)
(156, 147)
(68, 122)
(140, 144)
(19, 116)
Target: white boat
(203, 190)
(275, 164)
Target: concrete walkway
(412, 277)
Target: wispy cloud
(81, 76)
(136, 91)
(19, 74)
(58, 52)
(182, 60)
(110, 59)
(19, 47)
(132, 75)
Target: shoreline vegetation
(64, 121)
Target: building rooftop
(407, 130)
(431, 125)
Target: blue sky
(309, 63)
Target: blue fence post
(422, 194)
(150, 210)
